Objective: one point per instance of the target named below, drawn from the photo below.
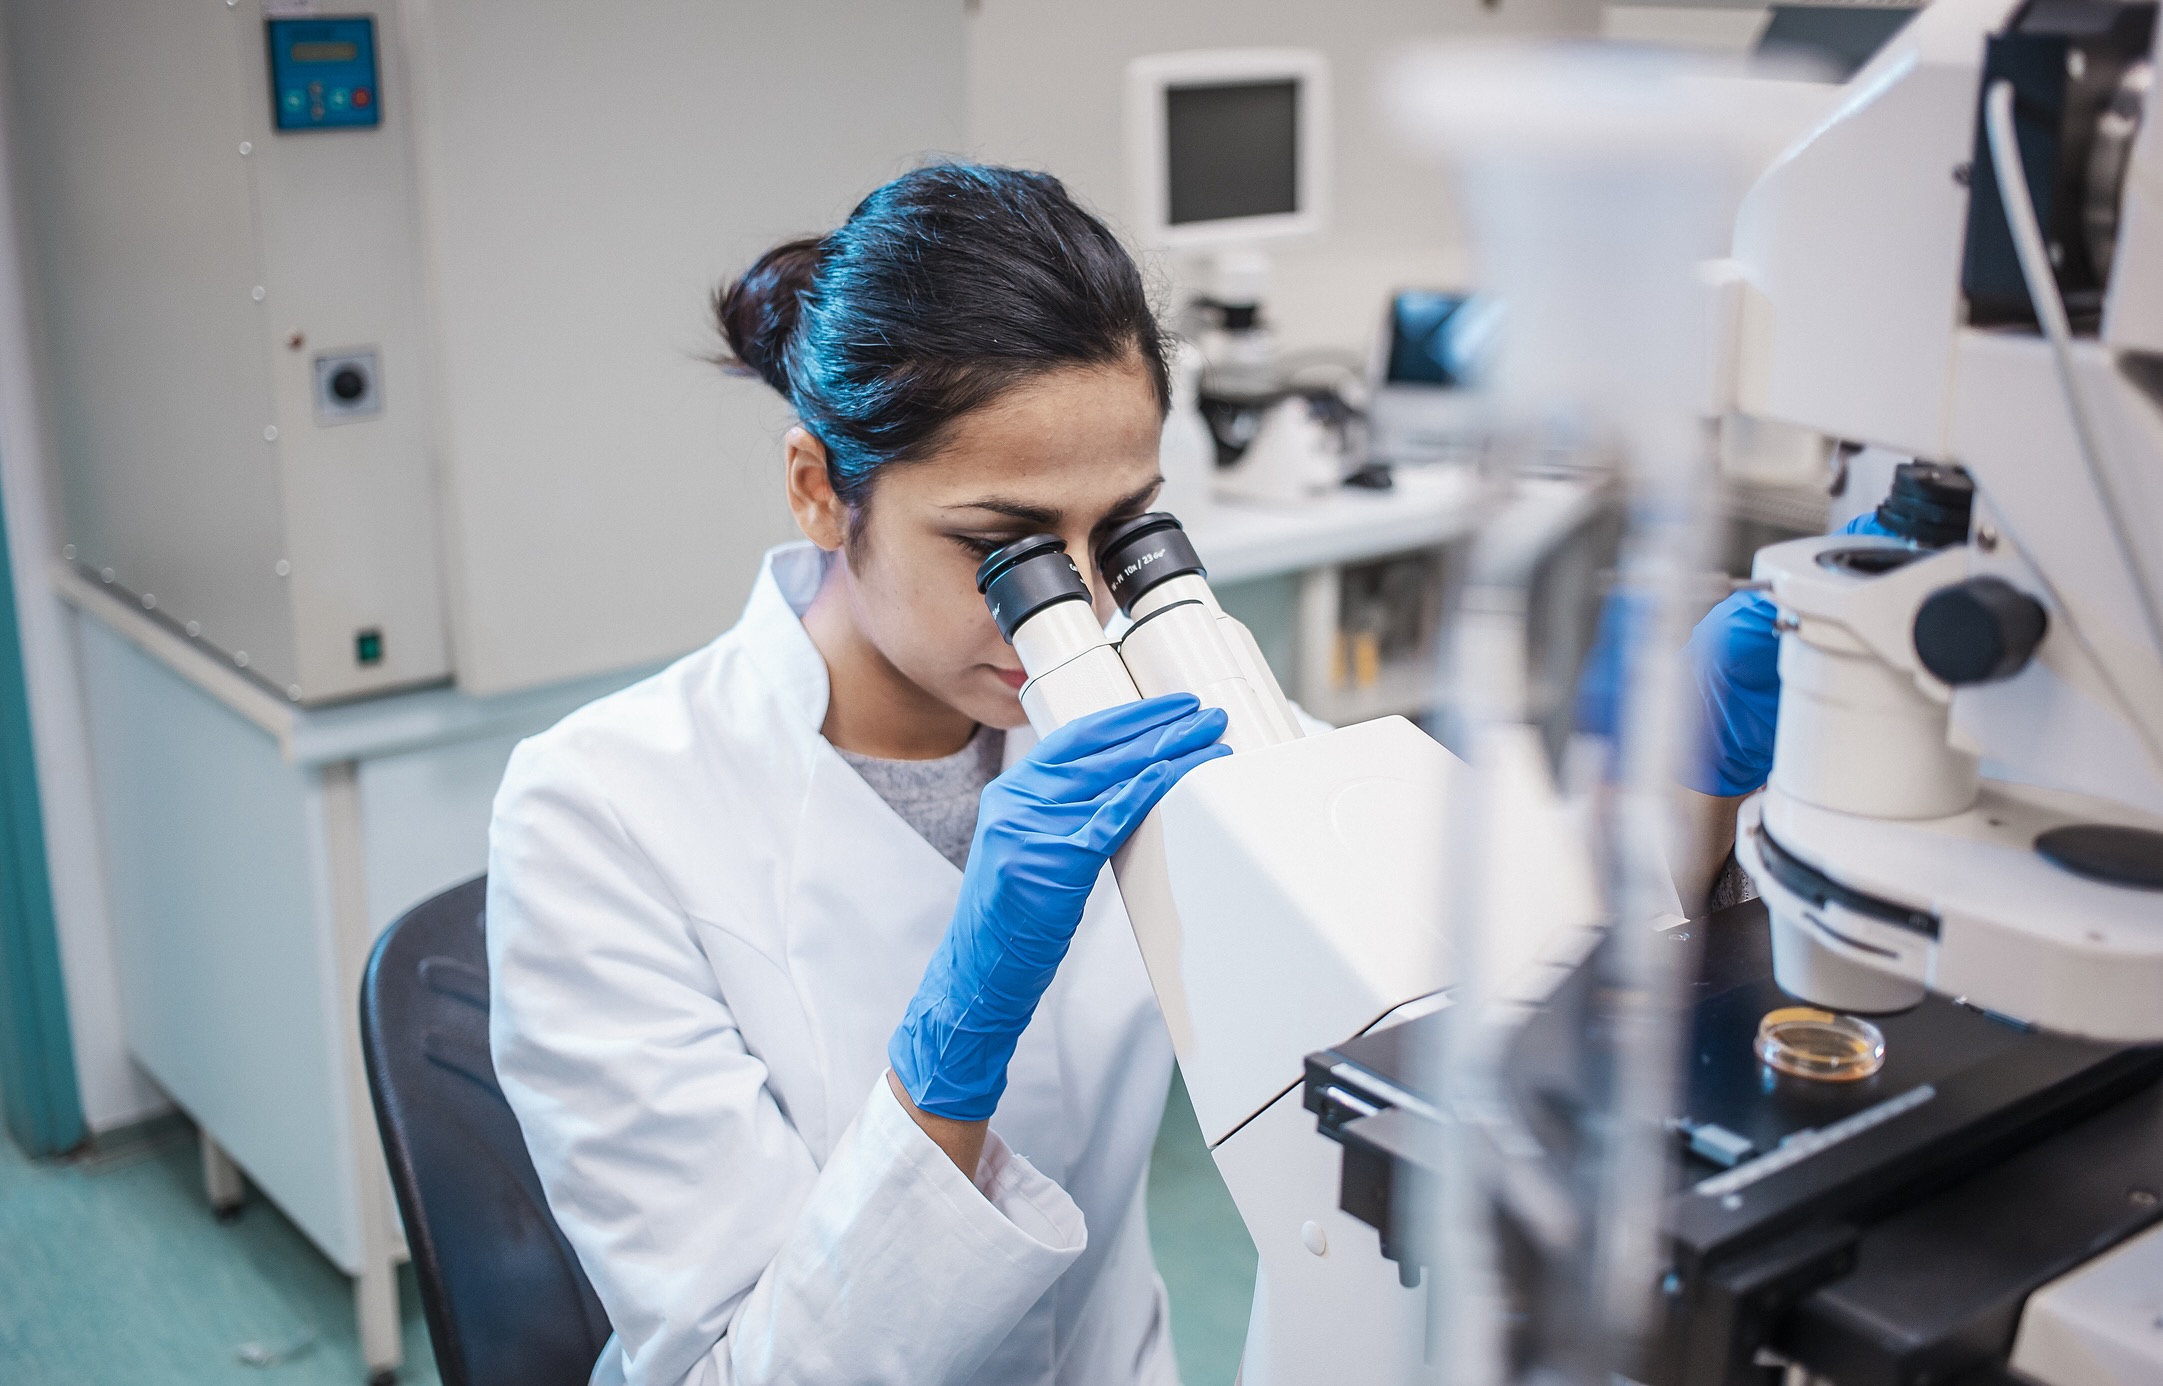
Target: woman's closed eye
(984, 545)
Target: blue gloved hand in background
(1043, 833)
(1734, 666)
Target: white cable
(2042, 284)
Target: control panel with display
(323, 73)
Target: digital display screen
(325, 52)
(1231, 151)
(323, 73)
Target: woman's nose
(1084, 555)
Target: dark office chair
(506, 1300)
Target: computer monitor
(1435, 339)
(1433, 349)
(1228, 146)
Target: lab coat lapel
(866, 898)
(866, 901)
(869, 900)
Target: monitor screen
(1437, 338)
(1231, 150)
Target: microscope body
(1280, 900)
(1967, 788)
(1283, 897)
(1889, 862)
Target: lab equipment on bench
(349, 315)
(1293, 455)
(1228, 150)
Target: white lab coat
(702, 928)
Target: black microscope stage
(1879, 1232)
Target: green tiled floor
(1203, 1251)
(112, 1273)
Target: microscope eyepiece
(1025, 577)
(1143, 552)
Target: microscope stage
(1887, 1230)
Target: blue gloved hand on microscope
(1044, 831)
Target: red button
(360, 96)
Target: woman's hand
(1043, 833)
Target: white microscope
(1285, 897)
(1967, 789)
(1964, 262)
(1960, 260)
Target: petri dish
(1805, 1042)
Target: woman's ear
(820, 514)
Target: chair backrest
(505, 1297)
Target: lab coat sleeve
(723, 1252)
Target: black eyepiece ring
(1026, 576)
(1143, 552)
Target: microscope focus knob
(1978, 630)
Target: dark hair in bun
(758, 312)
(944, 289)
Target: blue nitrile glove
(1734, 659)
(1043, 833)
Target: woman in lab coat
(760, 970)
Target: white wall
(1047, 89)
(114, 1092)
(572, 244)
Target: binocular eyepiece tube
(1041, 605)
(1181, 641)
(1151, 567)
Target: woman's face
(1070, 453)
